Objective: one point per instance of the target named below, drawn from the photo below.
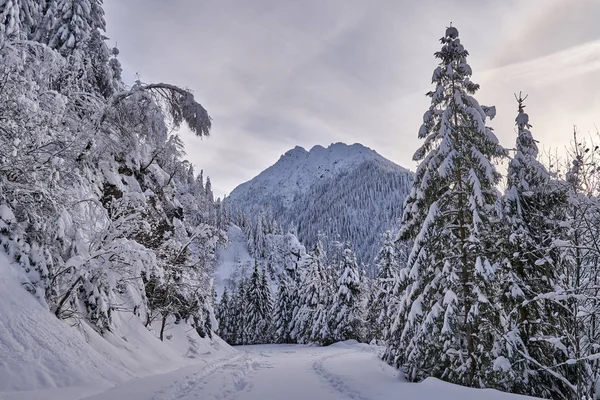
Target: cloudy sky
(274, 74)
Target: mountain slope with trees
(346, 192)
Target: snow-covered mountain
(348, 192)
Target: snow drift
(39, 351)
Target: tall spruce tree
(254, 310)
(225, 317)
(396, 305)
(259, 308)
(30, 16)
(73, 23)
(383, 290)
(373, 330)
(346, 319)
(283, 312)
(240, 310)
(448, 213)
(264, 328)
(312, 319)
(10, 20)
(530, 270)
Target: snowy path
(288, 372)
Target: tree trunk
(62, 302)
(163, 324)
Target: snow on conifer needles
(494, 296)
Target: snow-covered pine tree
(529, 272)
(256, 235)
(253, 316)
(397, 304)
(48, 13)
(346, 313)
(239, 303)
(383, 288)
(578, 370)
(74, 23)
(259, 308)
(311, 323)
(283, 311)
(30, 15)
(18, 18)
(372, 330)
(264, 330)
(10, 20)
(448, 213)
(224, 314)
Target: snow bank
(38, 352)
(362, 375)
(36, 349)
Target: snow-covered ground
(42, 357)
(292, 372)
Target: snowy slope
(41, 355)
(234, 260)
(298, 170)
(346, 190)
(39, 351)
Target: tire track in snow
(335, 381)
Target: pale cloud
(275, 74)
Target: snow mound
(345, 343)
(36, 349)
(40, 354)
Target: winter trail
(290, 372)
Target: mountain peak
(339, 146)
(296, 151)
(306, 179)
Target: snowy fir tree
(312, 319)
(10, 20)
(529, 272)
(259, 307)
(383, 289)
(240, 307)
(449, 212)
(394, 302)
(577, 370)
(254, 316)
(264, 330)
(372, 330)
(286, 303)
(73, 24)
(225, 318)
(346, 312)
